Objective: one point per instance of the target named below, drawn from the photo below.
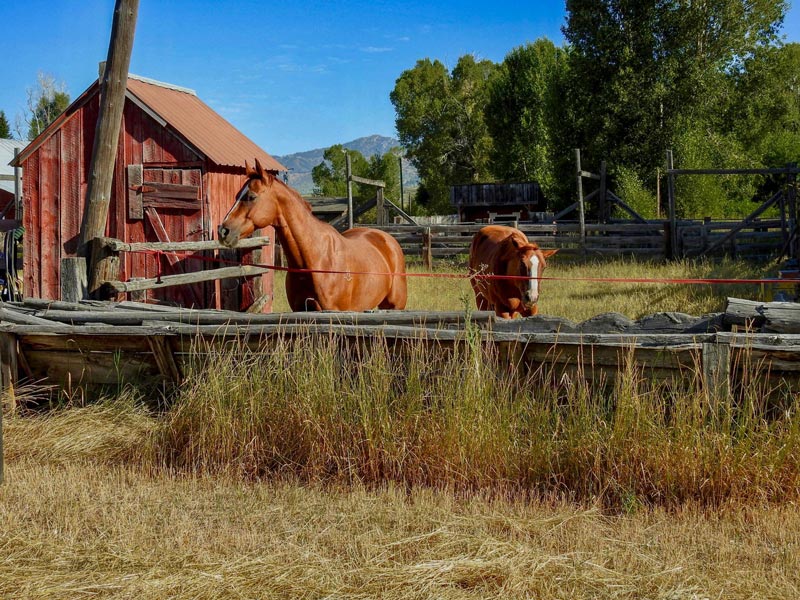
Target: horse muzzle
(529, 301)
(226, 236)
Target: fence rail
(759, 240)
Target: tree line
(710, 80)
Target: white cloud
(375, 49)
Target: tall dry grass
(454, 419)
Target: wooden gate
(170, 203)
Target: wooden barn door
(170, 203)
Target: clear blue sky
(291, 76)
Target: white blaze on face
(533, 282)
(242, 194)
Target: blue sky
(291, 76)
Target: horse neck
(298, 230)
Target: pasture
(580, 300)
(311, 472)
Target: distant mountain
(301, 163)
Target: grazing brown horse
(499, 250)
(367, 261)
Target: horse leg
(398, 295)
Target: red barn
(179, 165)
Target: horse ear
(247, 169)
(516, 242)
(259, 169)
(549, 253)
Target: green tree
(45, 102)
(642, 72)
(526, 115)
(5, 129)
(386, 168)
(330, 176)
(441, 125)
(765, 110)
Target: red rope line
(657, 280)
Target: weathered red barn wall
(223, 184)
(54, 186)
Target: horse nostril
(223, 232)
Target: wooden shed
(179, 165)
(481, 201)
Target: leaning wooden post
(673, 225)
(112, 100)
(581, 211)
(349, 174)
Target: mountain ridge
(301, 163)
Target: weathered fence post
(791, 191)
(581, 210)
(716, 369)
(380, 206)
(349, 173)
(105, 265)
(17, 188)
(74, 285)
(8, 380)
(112, 101)
(427, 249)
(603, 209)
(672, 248)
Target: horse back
(365, 239)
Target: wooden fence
(759, 240)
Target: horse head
(526, 259)
(255, 206)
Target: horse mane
(296, 194)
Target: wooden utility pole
(113, 85)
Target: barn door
(169, 202)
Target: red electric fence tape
(660, 280)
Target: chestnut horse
(499, 250)
(366, 261)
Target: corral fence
(758, 240)
(107, 270)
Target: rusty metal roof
(204, 128)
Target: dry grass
(80, 531)
(449, 419)
(73, 525)
(385, 479)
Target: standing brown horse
(369, 264)
(505, 251)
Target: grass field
(318, 473)
(580, 300)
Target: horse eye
(251, 196)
